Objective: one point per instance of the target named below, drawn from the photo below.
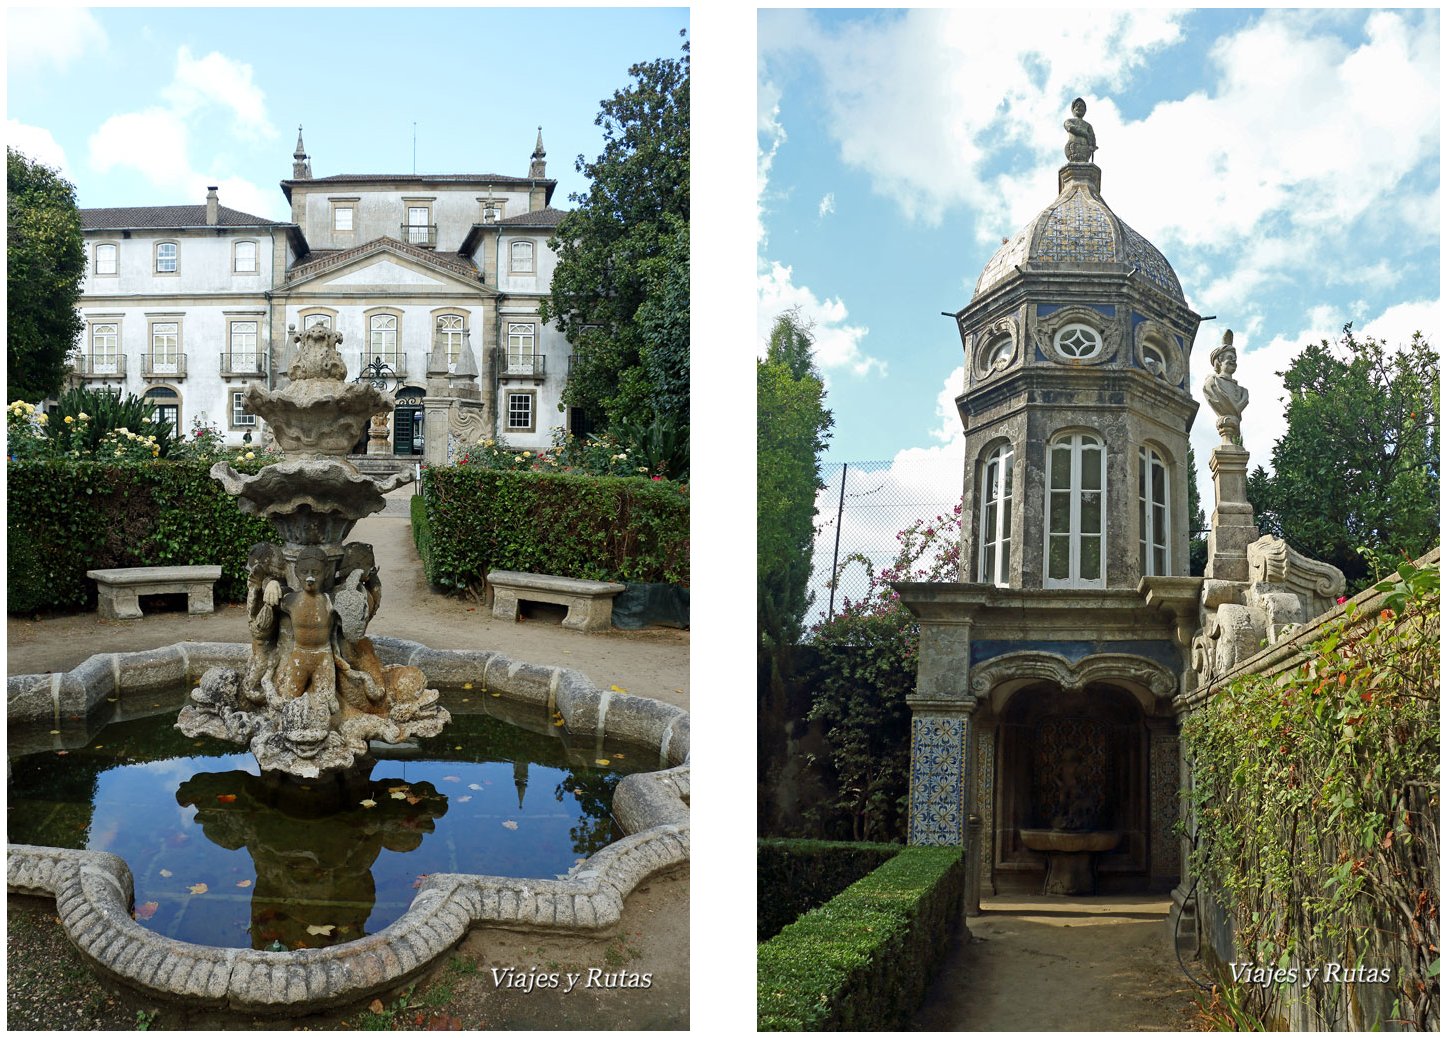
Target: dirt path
(1056, 964)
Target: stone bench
(589, 602)
(120, 589)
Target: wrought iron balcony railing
(166, 365)
(533, 365)
(90, 366)
(396, 361)
(252, 365)
(423, 234)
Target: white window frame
(236, 267)
(521, 348)
(174, 259)
(105, 356)
(528, 263)
(1072, 498)
(531, 399)
(453, 335)
(1154, 554)
(337, 208)
(240, 417)
(376, 333)
(165, 346)
(114, 254)
(996, 498)
(253, 354)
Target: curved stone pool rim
(94, 891)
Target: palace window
(165, 347)
(341, 218)
(165, 406)
(996, 478)
(168, 255)
(519, 412)
(450, 329)
(1075, 525)
(105, 259)
(244, 339)
(245, 257)
(1154, 514)
(382, 341)
(520, 349)
(104, 348)
(240, 416)
(522, 257)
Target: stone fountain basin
(1059, 841)
(93, 890)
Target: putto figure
(1081, 145)
(1226, 397)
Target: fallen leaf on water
(112, 699)
(577, 792)
(62, 753)
(322, 931)
(619, 754)
(199, 888)
(100, 746)
(243, 883)
(473, 785)
(146, 910)
(466, 700)
(166, 873)
(376, 1005)
(414, 800)
(456, 747)
(559, 723)
(617, 688)
(450, 778)
(55, 731)
(421, 878)
(603, 762)
(399, 796)
(509, 824)
(226, 798)
(466, 684)
(495, 695)
(369, 802)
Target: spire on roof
(539, 159)
(300, 160)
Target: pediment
(384, 271)
(386, 264)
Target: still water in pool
(222, 855)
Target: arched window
(522, 257)
(245, 257)
(449, 333)
(1075, 525)
(168, 257)
(1154, 514)
(105, 259)
(382, 341)
(996, 478)
(165, 406)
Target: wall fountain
(320, 703)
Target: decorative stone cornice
(1134, 672)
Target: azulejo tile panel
(1164, 804)
(1079, 231)
(936, 780)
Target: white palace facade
(186, 305)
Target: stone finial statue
(1226, 397)
(1081, 145)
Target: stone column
(1232, 524)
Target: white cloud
(218, 81)
(825, 205)
(771, 137)
(41, 39)
(152, 142)
(37, 144)
(836, 341)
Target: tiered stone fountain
(314, 693)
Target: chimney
(213, 207)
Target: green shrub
(796, 875)
(592, 527)
(421, 531)
(67, 516)
(863, 960)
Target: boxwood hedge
(65, 516)
(796, 875)
(592, 527)
(862, 960)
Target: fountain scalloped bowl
(93, 890)
(311, 697)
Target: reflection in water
(313, 844)
(222, 856)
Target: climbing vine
(1316, 794)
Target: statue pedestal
(1232, 524)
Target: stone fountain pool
(363, 834)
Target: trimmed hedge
(592, 527)
(862, 961)
(796, 875)
(66, 516)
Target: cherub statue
(1081, 145)
(1226, 397)
(265, 572)
(311, 667)
(317, 355)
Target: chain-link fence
(861, 509)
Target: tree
(46, 257)
(1199, 544)
(793, 427)
(620, 289)
(1356, 479)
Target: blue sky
(150, 106)
(1287, 163)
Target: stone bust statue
(1226, 397)
(1081, 145)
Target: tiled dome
(1079, 232)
